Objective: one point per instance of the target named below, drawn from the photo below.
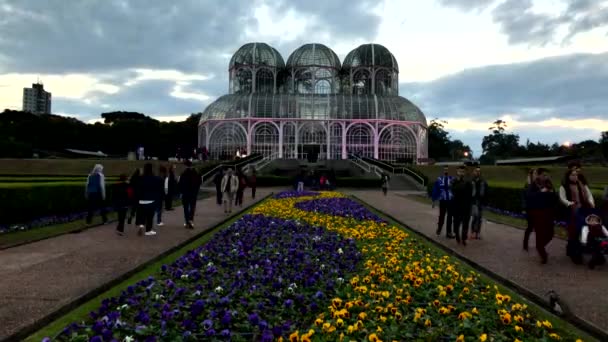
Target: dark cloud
(523, 25)
(568, 87)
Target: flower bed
(337, 206)
(255, 280)
(296, 270)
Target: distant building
(36, 100)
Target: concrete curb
(50, 318)
(576, 321)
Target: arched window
(242, 82)
(384, 83)
(303, 82)
(323, 87)
(226, 139)
(362, 83)
(264, 82)
(397, 143)
(265, 139)
(360, 140)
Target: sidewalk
(41, 277)
(501, 252)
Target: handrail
(403, 170)
(237, 165)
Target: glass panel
(289, 141)
(265, 139)
(362, 83)
(335, 150)
(225, 139)
(397, 144)
(360, 140)
(384, 83)
(242, 82)
(264, 82)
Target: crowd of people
(147, 193)
(461, 201)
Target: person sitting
(595, 236)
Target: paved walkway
(41, 277)
(500, 251)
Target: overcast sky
(542, 65)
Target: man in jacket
(462, 191)
(217, 180)
(230, 184)
(480, 193)
(149, 193)
(189, 186)
(442, 192)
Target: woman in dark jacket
(149, 193)
(541, 204)
(530, 180)
(120, 197)
(133, 203)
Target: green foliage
(499, 143)
(22, 134)
(27, 202)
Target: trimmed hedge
(510, 198)
(23, 204)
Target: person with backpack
(241, 188)
(384, 179)
(189, 185)
(217, 180)
(149, 193)
(171, 184)
(230, 184)
(133, 181)
(121, 196)
(95, 193)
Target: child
(594, 235)
(384, 182)
(122, 194)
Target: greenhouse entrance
(311, 152)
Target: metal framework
(314, 105)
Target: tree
(500, 144)
(458, 150)
(439, 140)
(604, 144)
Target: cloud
(537, 23)
(572, 86)
(540, 99)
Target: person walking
(593, 235)
(217, 180)
(531, 179)
(149, 193)
(462, 191)
(300, 182)
(253, 183)
(578, 200)
(95, 193)
(189, 186)
(122, 197)
(230, 184)
(164, 178)
(133, 181)
(541, 203)
(480, 194)
(442, 192)
(241, 188)
(384, 179)
(170, 186)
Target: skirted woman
(578, 200)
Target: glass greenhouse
(313, 107)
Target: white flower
(201, 254)
(237, 234)
(219, 289)
(340, 280)
(340, 251)
(129, 339)
(197, 293)
(124, 307)
(210, 264)
(293, 285)
(290, 289)
(184, 276)
(322, 266)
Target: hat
(591, 216)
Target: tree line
(501, 144)
(24, 134)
